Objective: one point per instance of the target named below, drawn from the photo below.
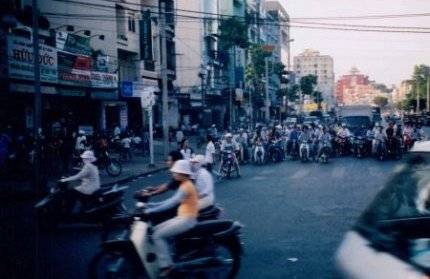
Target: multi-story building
(103, 54)
(198, 72)
(311, 62)
(356, 89)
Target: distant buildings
(311, 62)
(399, 94)
(355, 88)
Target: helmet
(278, 127)
(89, 155)
(213, 126)
(182, 167)
(198, 159)
(81, 132)
(228, 135)
(344, 125)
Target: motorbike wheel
(113, 264)
(227, 265)
(114, 168)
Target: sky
(384, 57)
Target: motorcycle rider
(186, 218)
(391, 140)
(344, 133)
(186, 150)
(293, 135)
(370, 134)
(203, 182)
(229, 145)
(210, 153)
(171, 185)
(89, 176)
(304, 137)
(419, 133)
(380, 137)
(81, 141)
(324, 137)
(360, 132)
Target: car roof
(421, 146)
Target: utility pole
(165, 102)
(428, 93)
(266, 103)
(37, 122)
(418, 96)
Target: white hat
(81, 132)
(89, 155)
(228, 135)
(182, 167)
(198, 159)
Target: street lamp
(100, 36)
(86, 32)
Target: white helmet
(198, 159)
(182, 167)
(89, 155)
(228, 135)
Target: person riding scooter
(324, 138)
(304, 138)
(203, 182)
(229, 145)
(89, 176)
(186, 218)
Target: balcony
(147, 68)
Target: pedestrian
(186, 150)
(126, 147)
(80, 142)
(179, 136)
(210, 153)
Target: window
(131, 24)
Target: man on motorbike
(379, 137)
(324, 137)
(186, 218)
(391, 139)
(203, 182)
(370, 135)
(304, 137)
(229, 145)
(419, 133)
(89, 176)
(344, 131)
(293, 135)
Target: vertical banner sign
(21, 66)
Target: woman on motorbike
(89, 176)
(186, 218)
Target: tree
(291, 94)
(419, 87)
(307, 84)
(233, 32)
(380, 101)
(318, 98)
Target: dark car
(391, 239)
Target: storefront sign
(104, 80)
(60, 39)
(74, 69)
(137, 88)
(28, 88)
(77, 44)
(20, 54)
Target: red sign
(74, 69)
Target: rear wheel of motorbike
(113, 264)
(227, 265)
(114, 168)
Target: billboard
(21, 63)
(74, 69)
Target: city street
(294, 214)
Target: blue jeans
(168, 229)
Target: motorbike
(342, 145)
(381, 150)
(294, 149)
(275, 151)
(58, 207)
(211, 248)
(112, 166)
(259, 153)
(228, 167)
(393, 148)
(305, 148)
(360, 149)
(408, 142)
(325, 152)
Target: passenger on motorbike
(203, 182)
(379, 137)
(419, 133)
(293, 135)
(229, 145)
(186, 218)
(370, 135)
(344, 131)
(89, 176)
(391, 139)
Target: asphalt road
(294, 214)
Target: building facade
(104, 54)
(311, 62)
(400, 93)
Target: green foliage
(292, 93)
(318, 98)
(380, 101)
(307, 84)
(233, 32)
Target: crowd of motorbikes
(273, 145)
